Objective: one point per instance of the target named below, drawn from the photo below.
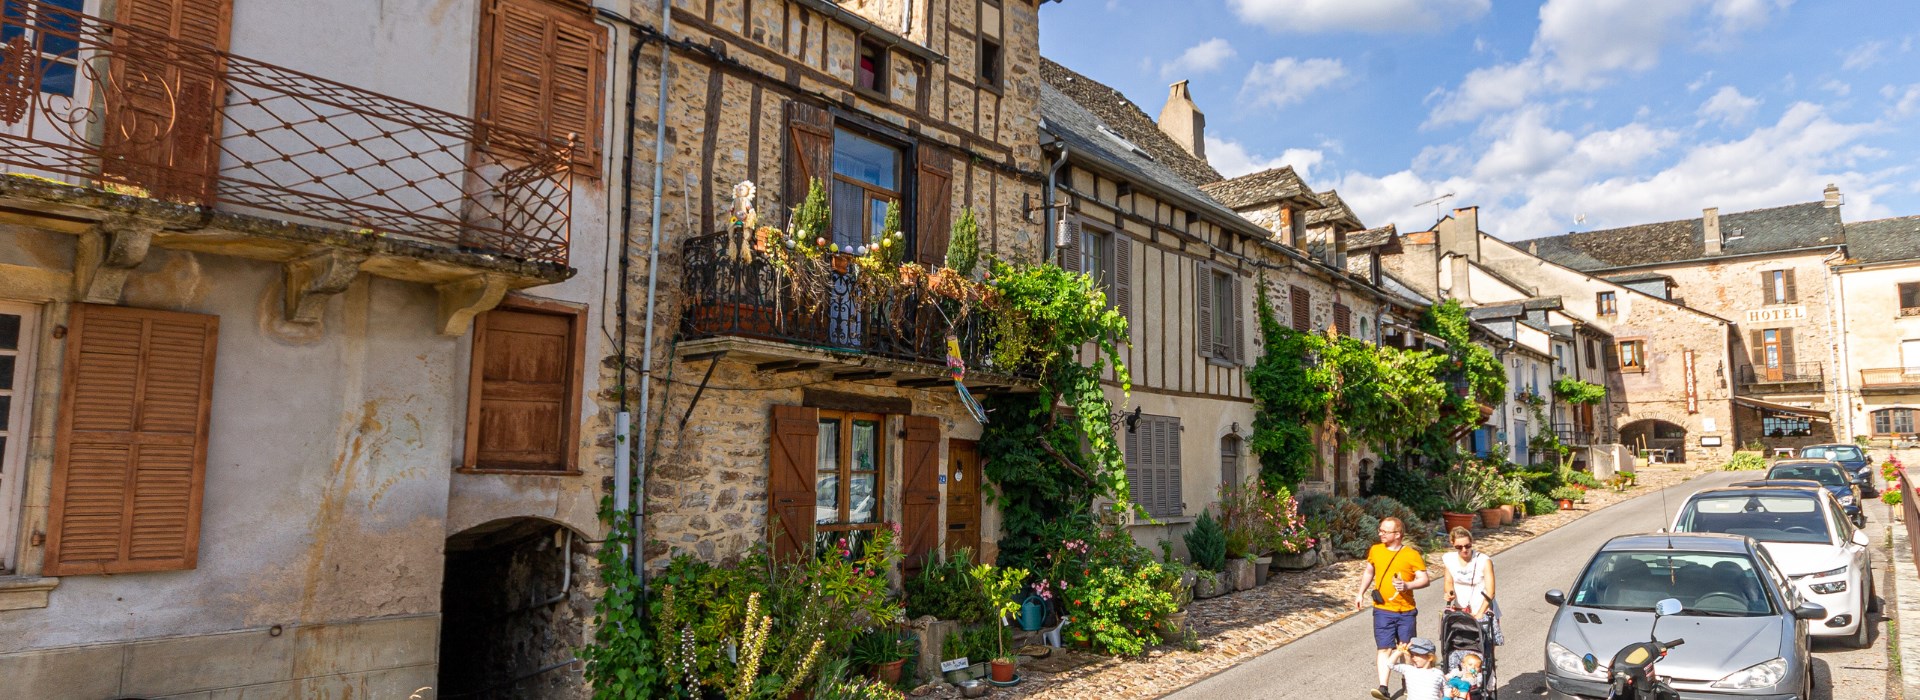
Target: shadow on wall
(513, 611)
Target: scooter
(1631, 675)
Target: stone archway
(514, 607)
(1654, 434)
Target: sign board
(1693, 392)
(954, 664)
(1709, 441)
(1777, 314)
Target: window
(54, 33)
(1230, 459)
(1910, 298)
(1893, 421)
(1222, 332)
(1607, 305)
(1153, 465)
(1366, 331)
(1095, 249)
(1785, 426)
(523, 391)
(1590, 353)
(989, 63)
(1633, 356)
(1302, 301)
(1343, 319)
(1777, 287)
(541, 73)
(1560, 359)
(16, 365)
(871, 74)
(1220, 314)
(1910, 356)
(848, 471)
(866, 178)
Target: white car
(1808, 536)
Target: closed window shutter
(1302, 308)
(523, 402)
(1135, 457)
(1793, 291)
(920, 490)
(790, 479)
(130, 455)
(1238, 305)
(1171, 503)
(1766, 288)
(933, 204)
(1758, 344)
(1786, 351)
(1343, 319)
(178, 98)
(1613, 355)
(1070, 249)
(541, 75)
(809, 149)
(1203, 306)
(1122, 267)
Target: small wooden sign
(954, 664)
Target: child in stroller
(1466, 643)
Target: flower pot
(1454, 520)
(1240, 574)
(1507, 514)
(1209, 585)
(889, 672)
(1173, 627)
(1298, 561)
(1490, 518)
(1261, 565)
(1003, 670)
(1566, 503)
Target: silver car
(1745, 626)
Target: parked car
(1830, 475)
(1745, 627)
(1804, 530)
(1853, 458)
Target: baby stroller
(1461, 632)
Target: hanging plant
(1578, 392)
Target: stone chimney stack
(1710, 234)
(1833, 198)
(1182, 120)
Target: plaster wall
(1869, 298)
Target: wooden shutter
(920, 490)
(131, 450)
(1786, 351)
(809, 149)
(1239, 306)
(1122, 266)
(1613, 355)
(1203, 306)
(1166, 471)
(172, 92)
(790, 479)
(1757, 344)
(933, 203)
(541, 75)
(523, 388)
(1793, 291)
(1343, 319)
(1302, 307)
(1070, 249)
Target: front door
(1772, 344)
(963, 497)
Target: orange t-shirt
(1405, 561)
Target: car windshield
(1839, 453)
(1826, 474)
(1775, 517)
(1706, 583)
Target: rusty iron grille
(97, 103)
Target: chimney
(1710, 234)
(1833, 198)
(1533, 248)
(1182, 120)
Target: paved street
(1338, 661)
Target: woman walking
(1469, 576)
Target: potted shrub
(1175, 583)
(883, 651)
(1566, 495)
(999, 587)
(1239, 515)
(1510, 493)
(1207, 544)
(1459, 497)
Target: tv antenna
(1436, 204)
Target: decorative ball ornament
(789, 244)
(820, 242)
(862, 250)
(835, 247)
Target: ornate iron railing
(1890, 377)
(731, 289)
(95, 102)
(1785, 374)
(1573, 433)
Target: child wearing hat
(1418, 670)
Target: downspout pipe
(653, 288)
(1047, 197)
(623, 420)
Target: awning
(1772, 407)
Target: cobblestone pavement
(1237, 627)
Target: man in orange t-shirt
(1394, 571)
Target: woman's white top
(1470, 580)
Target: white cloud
(1700, 82)
(1863, 56)
(1204, 57)
(1728, 106)
(1836, 87)
(1618, 149)
(1233, 160)
(1741, 15)
(1488, 90)
(1905, 104)
(1282, 82)
(1525, 147)
(1308, 16)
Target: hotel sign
(1776, 314)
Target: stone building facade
(1878, 293)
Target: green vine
(1578, 392)
(1486, 383)
(1291, 394)
(621, 663)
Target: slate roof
(1884, 240)
(1112, 108)
(1636, 277)
(1265, 186)
(1372, 238)
(1335, 211)
(1777, 229)
(1402, 290)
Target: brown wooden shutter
(933, 204)
(1613, 355)
(524, 387)
(920, 490)
(1203, 306)
(1302, 307)
(541, 74)
(1793, 291)
(1122, 266)
(1070, 251)
(1757, 344)
(131, 450)
(1766, 288)
(791, 460)
(172, 92)
(809, 149)
(1239, 306)
(1343, 319)
(1786, 350)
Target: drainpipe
(1046, 203)
(653, 281)
(623, 420)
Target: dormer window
(871, 73)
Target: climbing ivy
(1578, 392)
(1291, 393)
(1465, 361)
(621, 663)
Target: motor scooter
(1630, 676)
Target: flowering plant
(1285, 530)
(999, 585)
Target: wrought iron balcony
(1799, 372)
(1901, 378)
(1574, 433)
(733, 290)
(96, 103)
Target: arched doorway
(1651, 436)
(513, 611)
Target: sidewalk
(1902, 599)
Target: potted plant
(1566, 495)
(883, 651)
(1207, 544)
(1175, 582)
(1510, 492)
(1459, 497)
(999, 586)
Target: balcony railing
(1573, 433)
(98, 103)
(1890, 378)
(733, 290)
(1785, 374)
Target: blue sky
(1555, 116)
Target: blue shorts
(1392, 628)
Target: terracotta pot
(1490, 518)
(1508, 516)
(1002, 671)
(889, 672)
(1454, 520)
(1566, 503)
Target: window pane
(6, 373)
(9, 332)
(6, 406)
(863, 499)
(1223, 301)
(866, 160)
(876, 218)
(826, 483)
(848, 230)
(866, 445)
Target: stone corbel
(312, 280)
(462, 299)
(105, 256)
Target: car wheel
(1873, 593)
(1862, 636)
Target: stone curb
(1905, 601)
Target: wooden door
(1771, 340)
(920, 491)
(963, 496)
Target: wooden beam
(921, 383)
(784, 366)
(862, 374)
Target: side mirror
(1555, 598)
(1671, 606)
(1809, 611)
(1860, 538)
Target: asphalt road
(1339, 661)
